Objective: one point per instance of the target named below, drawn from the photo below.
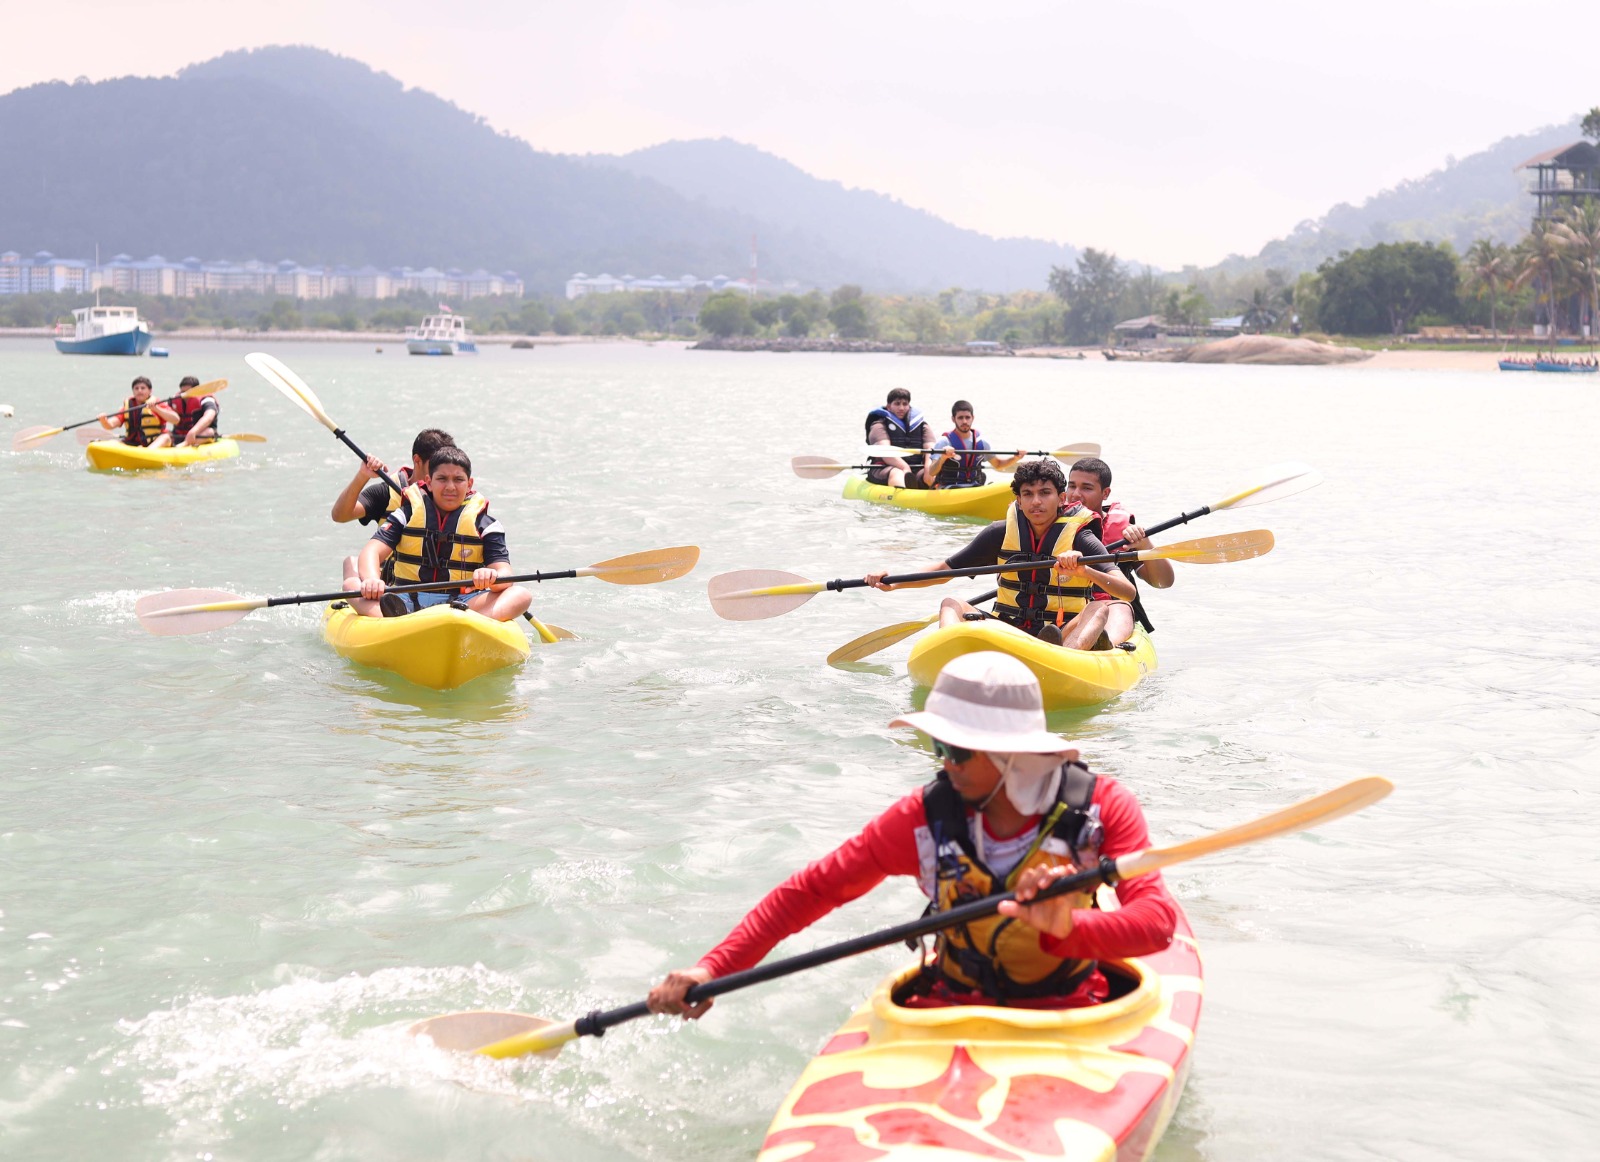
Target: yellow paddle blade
(245, 437)
(879, 639)
(1273, 483)
(1318, 809)
(94, 435)
(1214, 550)
(1075, 451)
(550, 634)
(816, 467)
(757, 594)
(30, 438)
(291, 385)
(645, 568)
(178, 612)
(476, 1032)
(210, 388)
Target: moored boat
(439, 647)
(988, 501)
(1516, 365)
(1565, 368)
(101, 330)
(1067, 678)
(441, 335)
(1091, 1085)
(109, 454)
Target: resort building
(582, 284)
(45, 273)
(1563, 177)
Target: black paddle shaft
(124, 411)
(1168, 524)
(418, 587)
(339, 433)
(978, 571)
(597, 1022)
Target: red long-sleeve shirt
(1143, 923)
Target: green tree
(533, 319)
(925, 321)
(727, 313)
(565, 323)
(848, 313)
(1542, 265)
(1091, 293)
(1383, 288)
(766, 312)
(1579, 229)
(281, 316)
(1591, 123)
(1490, 269)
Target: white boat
(441, 335)
(101, 330)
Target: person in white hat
(1012, 809)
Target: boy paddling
(142, 421)
(1089, 484)
(1011, 809)
(1052, 605)
(368, 499)
(194, 421)
(952, 462)
(443, 533)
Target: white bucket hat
(987, 701)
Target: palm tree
(1579, 229)
(1542, 263)
(1489, 271)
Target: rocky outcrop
(1279, 350)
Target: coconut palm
(1579, 230)
(1542, 263)
(1490, 270)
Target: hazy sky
(1169, 131)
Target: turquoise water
(236, 866)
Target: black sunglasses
(956, 754)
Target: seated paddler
(368, 499)
(194, 418)
(1055, 605)
(957, 457)
(141, 421)
(441, 533)
(898, 425)
(1010, 808)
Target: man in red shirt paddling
(1089, 484)
(1012, 809)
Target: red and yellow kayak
(1068, 679)
(1085, 1085)
(988, 501)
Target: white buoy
(6, 410)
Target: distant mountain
(901, 247)
(1480, 196)
(293, 152)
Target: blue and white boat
(101, 330)
(441, 335)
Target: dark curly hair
(1036, 472)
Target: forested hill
(1479, 196)
(297, 153)
(882, 232)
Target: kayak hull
(988, 501)
(437, 647)
(1097, 1084)
(1067, 678)
(114, 454)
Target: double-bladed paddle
(518, 1034)
(822, 467)
(30, 438)
(185, 611)
(1275, 483)
(299, 392)
(757, 594)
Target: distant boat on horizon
(441, 335)
(101, 330)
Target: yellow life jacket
(997, 956)
(436, 541)
(140, 423)
(1029, 599)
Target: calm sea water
(235, 866)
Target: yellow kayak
(1068, 678)
(115, 454)
(438, 646)
(1097, 1084)
(988, 501)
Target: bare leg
(506, 605)
(1084, 630)
(352, 583)
(897, 477)
(953, 611)
(1119, 621)
(164, 440)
